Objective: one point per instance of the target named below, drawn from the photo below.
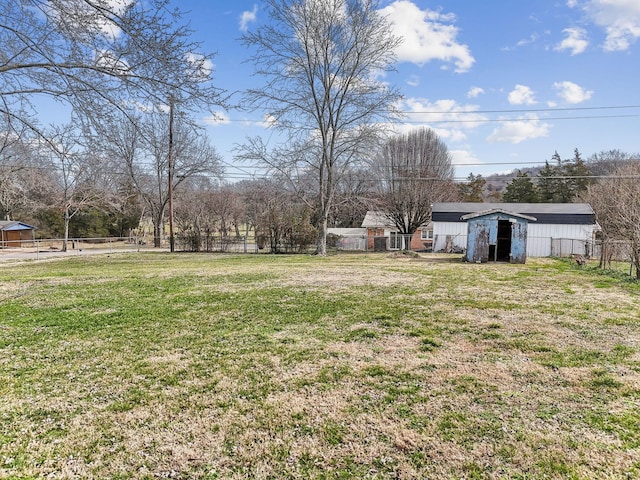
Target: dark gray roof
(548, 213)
(524, 208)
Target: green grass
(352, 366)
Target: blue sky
(504, 83)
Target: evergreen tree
(577, 173)
(563, 181)
(552, 185)
(472, 190)
(521, 190)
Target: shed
(497, 235)
(559, 229)
(13, 234)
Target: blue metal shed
(497, 235)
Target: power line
(526, 110)
(523, 119)
(501, 120)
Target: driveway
(14, 254)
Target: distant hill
(497, 182)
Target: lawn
(351, 366)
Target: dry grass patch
(363, 366)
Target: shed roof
(546, 213)
(491, 211)
(8, 226)
(564, 208)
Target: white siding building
(560, 229)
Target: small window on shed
(426, 234)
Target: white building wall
(539, 236)
(457, 231)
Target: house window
(426, 234)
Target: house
(13, 234)
(383, 234)
(540, 229)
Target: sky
(504, 83)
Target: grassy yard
(353, 366)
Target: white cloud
(521, 95)
(620, 20)
(268, 121)
(413, 81)
(445, 111)
(475, 92)
(428, 35)
(89, 17)
(572, 93)
(451, 135)
(449, 119)
(106, 59)
(575, 41)
(248, 17)
(533, 38)
(463, 157)
(517, 131)
(201, 66)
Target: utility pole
(170, 162)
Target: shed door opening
(503, 247)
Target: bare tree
(608, 161)
(616, 202)
(75, 171)
(144, 156)
(319, 60)
(414, 171)
(208, 212)
(194, 216)
(15, 157)
(354, 192)
(97, 56)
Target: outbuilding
(14, 234)
(552, 229)
(497, 235)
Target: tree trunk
(67, 219)
(158, 229)
(321, 244)
(635, 254)
(157, 239)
